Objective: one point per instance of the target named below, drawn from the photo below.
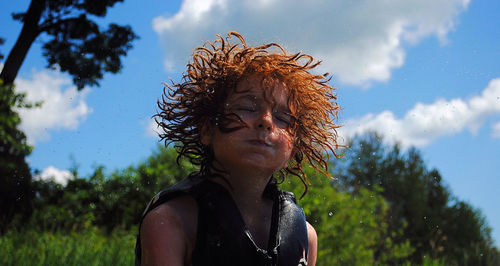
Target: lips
(259, 142)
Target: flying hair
(214, 72)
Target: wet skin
(264, 143)
(248, 156)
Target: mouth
(259, 142)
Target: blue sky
(423, 73)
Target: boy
(243, 114)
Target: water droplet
(330, 214)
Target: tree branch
(26, 38)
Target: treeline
(113, 201)
(384, 207)
(435, 222)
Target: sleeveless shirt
(222, 237)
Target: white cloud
(427, 122)
(151, 128)
(360, 42)
(496, 130)
(54, 174)
(63, 107)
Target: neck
(247, 188)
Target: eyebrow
(255, 97)
(247, 96)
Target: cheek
(286, 141)
(286, 145)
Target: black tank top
(222, 237)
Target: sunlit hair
(213, 74)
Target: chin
(260, 167)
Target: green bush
(89, 247)
(352, 227)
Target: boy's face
(264, 142)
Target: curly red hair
(213, 74)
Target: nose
(265, 120)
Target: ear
(206, 132)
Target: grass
(76, 248)
(89, 247)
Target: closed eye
(245, 108)
(284, 118)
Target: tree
(15, 176)
(2, 40)
(436, 223)
(77, 45)
(351, 227)
(106, 200)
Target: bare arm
(313, 245)
(167, 233)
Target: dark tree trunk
(28, 35)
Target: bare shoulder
(168, 232)
(312, 243)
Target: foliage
(435, 222)
(351, 227)
(15, 176)
(2, 41)
(468, 237)
(89, 247)
(75, 43)
(385, 208)
(108, 201)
